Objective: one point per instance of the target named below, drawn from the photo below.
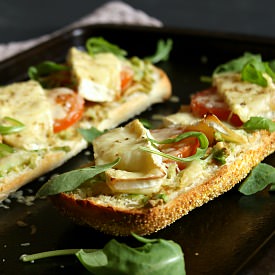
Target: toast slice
(198, 154)
(123, 212)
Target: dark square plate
(217, 238)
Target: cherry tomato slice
(126, 76)
(69, 107)
(182, 149)
(209, 101)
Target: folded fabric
(114, 12)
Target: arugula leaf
(96, 45)
(251, 67)
(91, 133)
(162, 52)
(258, 123)
(236, 65)
(71, 180)
(50, 74)
(52, 253)
(146, 123)
(199, 153)
(155, 257)
(252, 74)
(259, 178)
(206, 79)
(45, 68)
(271, 64)
(16, 126)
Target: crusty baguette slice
(120, 216)
(110, 114)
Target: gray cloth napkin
(114, 12)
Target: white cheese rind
(246, 99)
(137, 169)
(27, 103)
(98, 76)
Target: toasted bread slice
(108, 115)
(200, 182)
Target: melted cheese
(27, 102)
(180, 118)
(137, 171)
(246, 99)
(58, 110)
(98, 76)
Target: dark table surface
(20, 20)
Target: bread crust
(121, 222)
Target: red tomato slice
(126, 76)
(209, 101)
(182, 149)
(69, 107)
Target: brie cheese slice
(27, 103)
(137, 171)
(98, 76)
(246, 99)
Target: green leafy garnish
(71, 180)
(162, 52)
(95, 45)
(155, 257)
(271, 64)
(50, 74)
(15, 127)
(259, 178)
(146, 123)
(50, 254)
(199, 153)
(258, 123)
(91, 133)
(206, 79)
(250, 66)
(5, 149)
(236, 65)
(253, 72)
(45, 68)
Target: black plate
(217, 238)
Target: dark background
(23, 19)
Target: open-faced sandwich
(97, 87)
(145, 179)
